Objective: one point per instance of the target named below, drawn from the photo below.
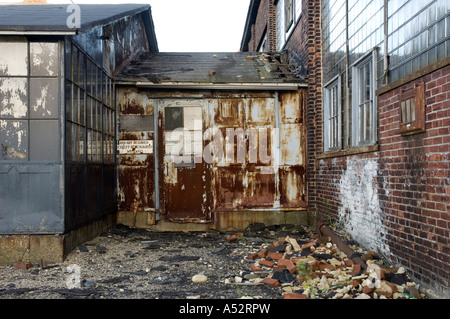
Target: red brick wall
(305, 41)
(415, 173)
(265, 20)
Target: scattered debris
(264, 262)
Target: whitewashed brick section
(360, 213)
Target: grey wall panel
(31, 199)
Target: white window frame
(364, 108)
(332, 115)
(283, 33)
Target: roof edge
(223, 86)
(251, 18)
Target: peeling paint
(44, 58)
(13, 97)
(14, 56)
(360, 213)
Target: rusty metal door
(186, 176)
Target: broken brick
(267, 263)
(309, 245)
(263, 253)
(294, 296)
(323, 266)
(21, 265)
(367, 289)
(289, 265)
(232, 238)
(349, 262)
(275, 256)
(252, 256)
(271, 282)
(255, 267)
(356, 270)
(386, 289)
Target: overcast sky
(192, 25)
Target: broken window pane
(173, 118)
(14, 56)
(13, 97)
(13, 140)
(44, 59)
(44, 97)
(44, 140)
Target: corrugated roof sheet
(53, 18)
(209, 67)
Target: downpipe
(325, 230)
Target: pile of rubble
(264, 262)
(315, 267)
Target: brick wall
(415, 182)
(265, 22)
(305, 43)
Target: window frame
(332, 143)
(416, 95)
(288, 14)
(362, 130)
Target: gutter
(224, 86)
(38, 32)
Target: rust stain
(133, 102)
(293, 187)
(244, 174)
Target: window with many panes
(288, 14)
(412, 110)
(364, 114)
(29, 99)
(90, 112)
(332, 116)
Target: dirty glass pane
(173, 118)
(13, 140)
(44, 140)
(82, 107)
(13, 56)
(75, 105)
(75, 64)
(89, 115)
(81, 144)
(98, 146)
(89, 149)
(69, 100)
(13, 97)
(69, 142)
(89, 76)
(97, 116)
(74, 142)
(99, 84)
(68, 59)
(44, 98)
(44, 59)
(82, 71)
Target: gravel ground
(127, 263)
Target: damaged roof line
(224, 86)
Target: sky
(192, 25)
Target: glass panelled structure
(30, 135)
(419, 35)
(90, 112)
(400, 36)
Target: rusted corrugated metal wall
(135, 151)
(239, 151)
